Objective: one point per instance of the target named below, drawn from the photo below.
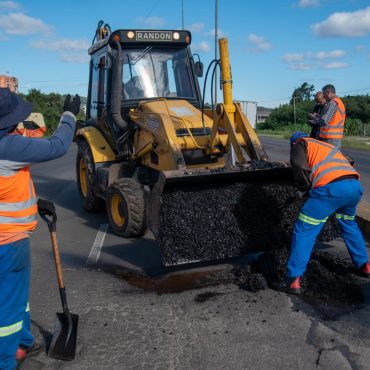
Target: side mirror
(198, 68)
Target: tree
(282, 118)
(302, 93)
(50, 105)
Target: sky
(274, 46)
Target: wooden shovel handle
(58, 264)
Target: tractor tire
(86, 178)
(126, 208)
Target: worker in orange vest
(331, 121)
(322, 172)
(18, 216)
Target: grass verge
(355, 142)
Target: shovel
(63, 342)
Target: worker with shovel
(18, 211)
(332, 185)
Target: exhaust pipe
(116, 91)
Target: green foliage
(358, 107)
(50, 105)
(281, 119)
(352, 127)
(302, 93)
(284, 116)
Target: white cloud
(9, 6)
(62, 45)
(203, 47)
(75, 58)
(360, 48)
(329, 54)
(301, 66)
(21, 24)
(151, 21)
(259, 42)
(335, 65)
(212, 32)
(308, 3)
(288, 58)
(310, 60)
(344, 24)
(70, 51)
(195, 27)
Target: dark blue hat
(296, 136)
(13, 109)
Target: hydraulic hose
(204, 89)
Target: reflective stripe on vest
(5, 331)
(18, 204)
(335, 127)
(326, 162)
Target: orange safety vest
(18, 204)
(326, 162)
(335, 127)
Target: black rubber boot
(290, 285)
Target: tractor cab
(130, 66)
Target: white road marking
(98, 244)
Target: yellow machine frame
(160, 119)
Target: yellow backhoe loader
(147, 134)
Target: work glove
(72, 105)
(46, 208)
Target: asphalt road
(133, 314)
(278, 150)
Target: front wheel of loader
(126, 208)
(86, 177)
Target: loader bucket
(211, 214)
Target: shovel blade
(63, 342)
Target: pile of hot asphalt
(214, 222)
(207, 223)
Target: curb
(363, 219)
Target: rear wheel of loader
(85, 169)
(126, 208)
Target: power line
(289, 97)
(346, 92)
(151, 10)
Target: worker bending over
(332, 185)
(18, 211)
(331, 121)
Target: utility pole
(216, 53)
(295, 115)
(182, 13)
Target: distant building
(262, 114)
(8, 81)
(249, 108)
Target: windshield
(153, 73)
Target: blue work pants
(15, 269)
(340, 197)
